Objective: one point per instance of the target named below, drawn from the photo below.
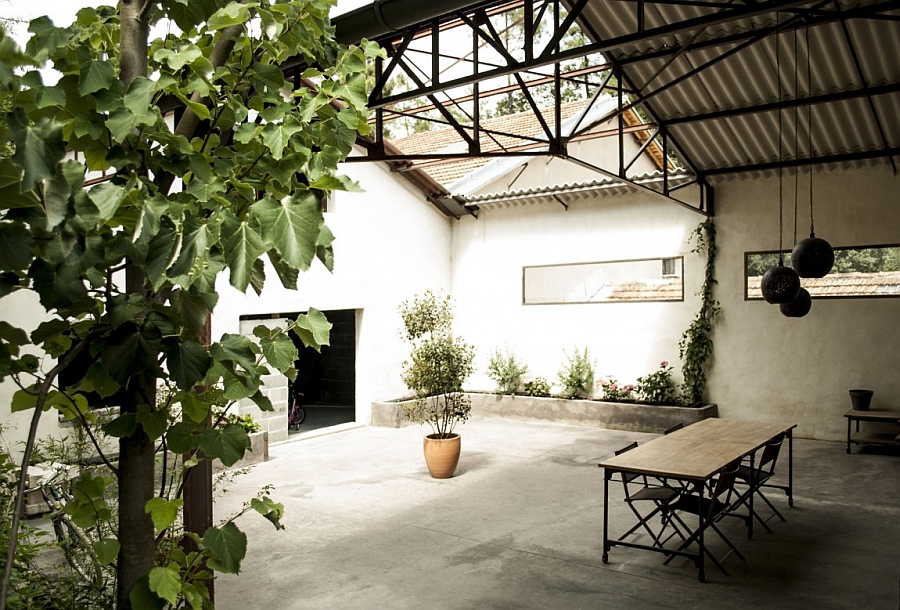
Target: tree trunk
(136, 459)
(136, 487)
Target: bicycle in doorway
(297, 413)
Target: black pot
(861, 399)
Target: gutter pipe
(384, 17)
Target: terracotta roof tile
(842, 284)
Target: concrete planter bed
(613, 415)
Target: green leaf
(128, 352)
(313, 329)
(273, 511)
(163, 512)
(70, 407)
(95, 76)
(194, 407)
(292, 226)
(124, 425)
(154, 422)
(166, 583)
(180, 439)
(228, 544)
(277, 137)
(12, 334)
(262, 401)
(142, 597)
(39, 147)
(106, 550)
(228, 443)
(235, 348)
(23, 400)
(57, 191)
(233, 14)
(243, 247)
(188, 363)
(332, 182)
(16, 247)
(279, 352)
(139, 96)
(258, 276)
(239, 386)
(179, 58)
(195, 594)
(107, 197)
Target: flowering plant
(614, 392)
(657, 387)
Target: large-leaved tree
(150, 167)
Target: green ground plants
(577, 374)
(507, 371)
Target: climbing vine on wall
(696, 346)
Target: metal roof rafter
(689, 25)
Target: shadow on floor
(324, 416)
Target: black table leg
(606, 476)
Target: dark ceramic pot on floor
(861, 399)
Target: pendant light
(780, 284)
(799, 307)
(813, 256)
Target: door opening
(325, 387)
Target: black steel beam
(814, 100)
(819, 160)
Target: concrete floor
(520, 526)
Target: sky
(62, 12)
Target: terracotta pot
(441, 455)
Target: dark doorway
(326, 381)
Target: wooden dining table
(694, 455)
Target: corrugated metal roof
(736, 88)
(567, 193)
(739, 74)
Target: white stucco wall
(765, 366)
(23, 310)
(390, 244)
(626, 340)
(769, 367)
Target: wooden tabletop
(698, 451)
(873, 415)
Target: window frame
(787, 262)
(680, 275)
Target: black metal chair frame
(710, 509)
(755, 478)
(659, 494)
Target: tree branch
(26, 458)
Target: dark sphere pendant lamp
(812, 257)
(780, 284)
(799, 307)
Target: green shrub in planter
(506, 371)
(537, 387)
(577, 375)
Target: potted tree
(438, 365)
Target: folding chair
(658, 494)
(755, 479)
(710, 509)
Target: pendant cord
(812, 226)
(780, 147)
(796, 133)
